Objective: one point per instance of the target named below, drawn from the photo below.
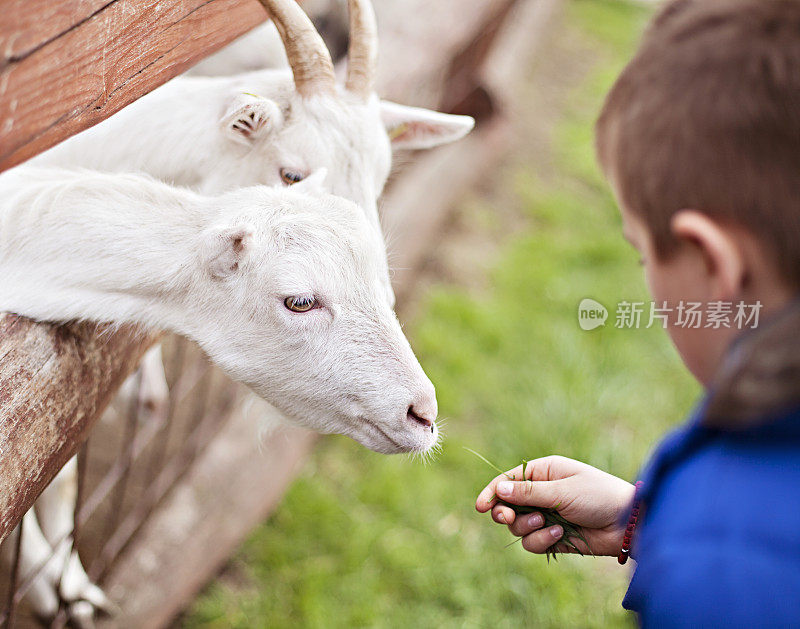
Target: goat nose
(423, 412)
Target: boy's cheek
(701, 348)
(678, 284)
(694, 351)
(678, 280)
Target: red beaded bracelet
(625, 551)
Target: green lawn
(367, 540)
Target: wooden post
(54, 382)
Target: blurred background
(367, 540)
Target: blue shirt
(719, 542)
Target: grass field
(367, 540)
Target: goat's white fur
(125, 248)
(128, 249)
(221, 133)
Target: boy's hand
(584, 495)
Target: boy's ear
(723, 259)
(225, 248)
(416, 128)
(251, 117)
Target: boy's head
(700, 138)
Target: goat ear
(251, 117)
(226, 248)
(313, 184)
(415, 128)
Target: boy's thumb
(532, 493)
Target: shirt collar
(680, 443)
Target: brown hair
(707, 116)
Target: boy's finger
(526, 524)
(503, 515)
(539, 541)
(552, 467)
(532, 493)
(485, 499)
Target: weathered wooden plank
(29, 24)
(481, 82)
(54, 382)
(63, 79)
(234, 485)
(64, 67)
(413, 36)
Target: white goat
(284, 289)
(266, 127)
(270, 127)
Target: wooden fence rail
(54, 382)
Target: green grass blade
(488, 462)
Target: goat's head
(297, 310)
(309, 122)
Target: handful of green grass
(550, 514)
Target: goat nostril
(420, 420)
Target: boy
(700, 140)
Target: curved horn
(308, 56)
(362, 54)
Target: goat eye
(300, 304)
(290, 177)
